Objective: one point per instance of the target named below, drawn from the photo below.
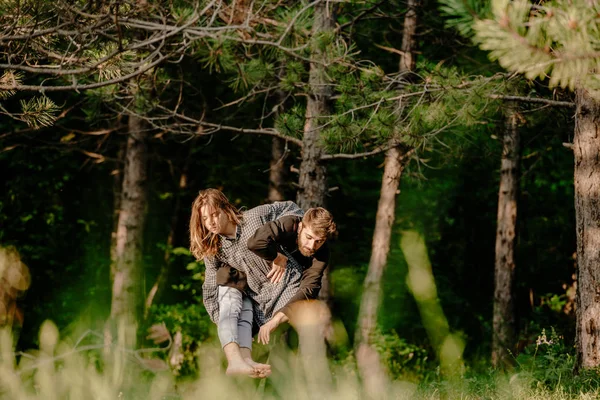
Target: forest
(455, 142)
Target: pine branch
(548, 40)
(554, 103)
(37, 112)
(360, 15)
(352, 156)
(76, 86)
(213, 128)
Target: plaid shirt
(268, 297)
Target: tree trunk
(158, 288)
(504, 313)
(366, 355)
(127, 291)
(313, 173)
(395, 159)
(117, 188)
(277, 172)
(586, 146)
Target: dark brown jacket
(266, 243)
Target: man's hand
(278, 269)
(264, 334)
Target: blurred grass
(86, 368)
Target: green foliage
(364, 114)
(402, 360)
(557, 40)
(462, 14)
(181, 11)
(292, 122)
(10, 77)
(38, 112)
(295, 75)
(96, 99)
(112, 67)
(218, 56)
(324, 41)
(298, 32)
(251, 74)
(197, 270)
(550, 362)
(195, 326)
(55, 222)
(347, 288)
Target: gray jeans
(235, 317)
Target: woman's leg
(230, 311)
(244, 324)
(245, 337)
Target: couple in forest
(260, 263)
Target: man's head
(211, 214)
(316, 227)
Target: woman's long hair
(204, 243)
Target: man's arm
(310, 283)
(283, 208)
(276, 210)
(266, 240)
(264, 334)
(210, 289)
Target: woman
(218, 235)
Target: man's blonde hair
(204, 243)
(320, 221)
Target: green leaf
(181, 251)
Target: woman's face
(214, 219)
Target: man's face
(213, 219)
(308, 242)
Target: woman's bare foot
(240, 367)
(263, 369)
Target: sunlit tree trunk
(395, 159)
(504, 322)
(126, 289)
(586, 147)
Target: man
(300, 239)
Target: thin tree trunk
(366, 354)
(367, 357)
(159, 285)
(277, 172)
(504, 321)
(117, 189)
(313, 173)
(586, 147)
(126, 292)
